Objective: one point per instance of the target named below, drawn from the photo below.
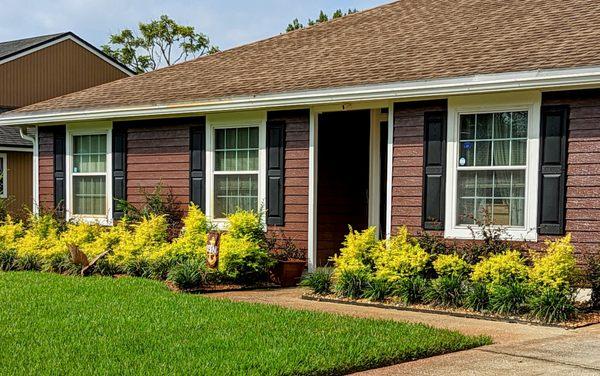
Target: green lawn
(51, 324)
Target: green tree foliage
(157, 44)
(295, 24)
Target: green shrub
(477, 297)
(501, 269)
(246, 223)
(187, 275)
(399, 257)
(593, 279)
(552, 305)
(357, 252)
(243, 260)
(8, 258)
(319, 281)
(28, 262)
(510, 298)
(352, 283)
(60, 263)
(411, 290)
(451, 266)
(446, 291)
(557, 268)
(378, 289)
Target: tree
(159, 43)
(295, 24)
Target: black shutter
(275, 172)
(434, 170)
(119, 165)
(60, 164)
(198, 166)
(553, 170)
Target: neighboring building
(33, 70)
(419, 113)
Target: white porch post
(312, 191)
(390, 170)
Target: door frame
(374, 167)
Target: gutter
(25, 136)
(557, 79)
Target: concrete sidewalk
(518, 349)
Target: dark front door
(343, 178)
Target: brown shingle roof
(402, 41)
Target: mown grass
(51, 324)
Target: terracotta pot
(288, 273)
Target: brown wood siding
(296, 175)
(19, 173)
(407, 175)
(46, 167)
(583, 167)
(158, 152)
(53, 71)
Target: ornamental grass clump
(510, 298)
(400, 257)
(446, 291)
(319, 281)
(552, 305)
(352, 284)
(378, 289)
(410, 290)
(477, 297)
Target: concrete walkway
(518, 349)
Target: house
(33, 70)
(422, 113)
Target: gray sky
(228, 23)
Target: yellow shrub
(147, 237)
(451, 266)
(245, 223)
(106, 240)
(500, 269)
(10, 232)
(557, 268)
(242, 259)
(400, 258)
(357, 251)
(39, 237)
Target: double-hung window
(89, 175)
(492, 166)
(236, 170)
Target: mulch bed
(582, 319)
(221, 288)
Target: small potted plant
(291, 260)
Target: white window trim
(516, 101)
(81, 129)
(4, 193)
(234, 120)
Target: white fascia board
(488, 83)
(74, 39)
